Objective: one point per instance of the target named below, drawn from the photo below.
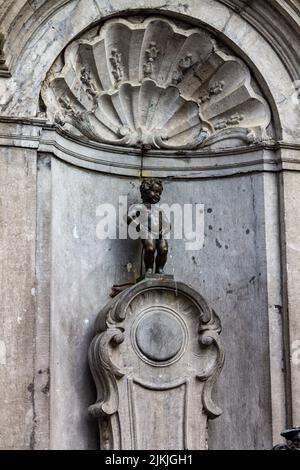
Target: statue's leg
(149, 253)
(162, 255)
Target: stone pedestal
(155, 358)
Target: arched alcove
(226, 144)
(245, 33)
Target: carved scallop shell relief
(154, 83)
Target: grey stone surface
(17, 284)
(230, 271)
(159, 336)
(291, 262)
(42, 313)
(277, 351)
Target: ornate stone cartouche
(155, 358)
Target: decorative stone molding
(4, 72)
(155, 359)
(155, 84)
(264, 15)
(203, 163)
(15, 14)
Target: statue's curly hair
(148, 183)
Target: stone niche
(155, 359)
(153, 96)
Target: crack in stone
(31, 390)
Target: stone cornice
(36, 134)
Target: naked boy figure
(152, 224)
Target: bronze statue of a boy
(152, 224)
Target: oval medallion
(159, 336)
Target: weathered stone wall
(18, 314)
(56, 274)
(230, 272)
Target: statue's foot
(160, 271)
(149, 271)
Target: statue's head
(151, 190)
